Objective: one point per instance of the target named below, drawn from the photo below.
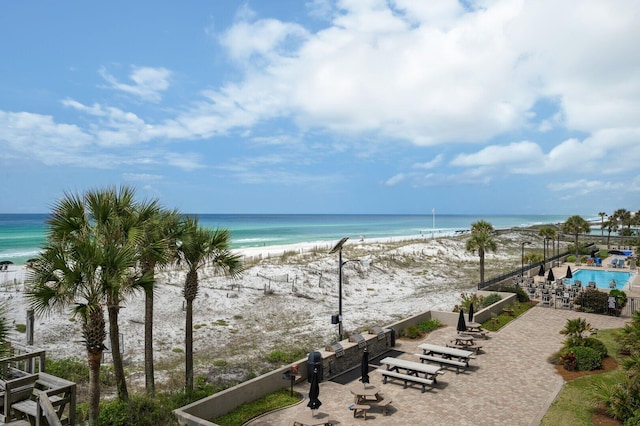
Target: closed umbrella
(569, 274)
(541, 271)
(314, 391)
(471, 312)
(550, 277)
(461, 324)
(364, 367)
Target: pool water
(601, 278)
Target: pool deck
(509, 383)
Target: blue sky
(355, 106)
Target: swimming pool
(601, 278)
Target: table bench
(406, 378)
(474, 348)
(360, 409)
(384, 404)
(444, 362)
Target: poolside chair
(566, 301)
(599, 262)
(591, 284)
(614, 263)
(546, 300)
(620, 263)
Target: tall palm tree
(602, 216)
(67, 272)
(200, 247)
(611, 225)
(481, 241)
(157, 249)
(576, 225)
(107, 218)
(624, 217)
(548, 233)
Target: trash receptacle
(314, 362)
(392, 337)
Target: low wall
(225, 401)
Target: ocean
(22, 235)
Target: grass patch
(21, 328)
(221, 322)
(248, 411)
(498, 321)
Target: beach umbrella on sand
(471, 312)
(461, 324)
(569, 274)
(541, 271)
(314, 391)
(364, 367)
(550, 277)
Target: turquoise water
(601, 278)
(22, 235)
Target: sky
(319, 106)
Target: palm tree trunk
(148, 343)
(188, 343)
(482, 268)
(118, 368)
(93, 359)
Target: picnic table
(366, 393)
(445, 356)
(307, 418)
(465, 342)
(412, 372)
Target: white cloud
(510, 155)
(148, 85)
(394, 180)
(437, 160)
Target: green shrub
(21, 328)
(72, 369)
(587, 359)
(282, 357)
(412, 332)
(593, 301)
(522, 295)
(429, 325)
(597, 345)
(621, 297)
(491, 299)
(139, 410)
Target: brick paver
(509, 383)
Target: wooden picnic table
(460, 354)
(412, 367)
(307, 418)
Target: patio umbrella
(314, 391)
(461, 324)
(541, 271)
(550, 277)
(471, 312)
(364, 367)
(569, 274)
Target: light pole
(522, 258)
(544, 260)
(338, 248)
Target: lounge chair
(620, 263)
(591, 285)
(599, 261)
(614, 263)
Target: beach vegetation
(200, 247)
(481, 241)
(279, 356)
(522, 295)
(593, 301)
(21, 328)
(497, 321)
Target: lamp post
(544, 260)
(522, 258)
(338, 248)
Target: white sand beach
(283, 301)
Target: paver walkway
(509, 383)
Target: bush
(282, 357)
(139, 410)
(522, 295)
(491, 299)
(593, 301)
(429, 325)
(412, 332)
(621, 297)
(587, 359)
(597, 345)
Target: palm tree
(576, 225)
(480, 241)
(602, 216)
(624, 217)
(157, 248)
(4, 331)
(67, 272)
(548, 233)
(199, 247)
(611, 225)
(107, 218)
